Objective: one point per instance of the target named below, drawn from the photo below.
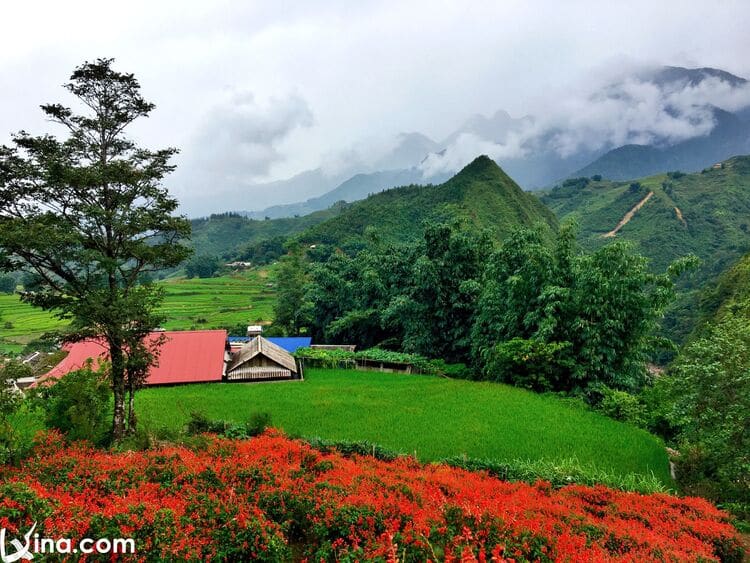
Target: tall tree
(289, 311)
(597, 312)
(437, 302)
(88, 216)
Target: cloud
(239, 139)
(234, 148)
(636, 108)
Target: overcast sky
(270, 89)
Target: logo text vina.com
(33, 544)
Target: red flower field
(272, 498)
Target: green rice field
(428, 416)
(225, 301)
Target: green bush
(11, 446)
(531, 363)
(623, 406)
(558, 473)
(710, 381)
(199, 423)
(78, 405)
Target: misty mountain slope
(707, 214)
(730, 136)
(647, 122)
(225, 235)
(691, 76)
(355, 188)
(481, 194)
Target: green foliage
(289, 310)
(7, 284)
(560, 473)
(419, 297)
(711, 385)
(199, 423)
(105, 219)
(436, 305)
(263, 251)
(234, 237)
(596, 313)
(348, 296)
(336, 358)
(529, 363)
(712, 224)
(349, 448)
(201, 266)
(481, 195)
(78, 405)
(622, 405)
(10, 402)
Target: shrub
(78, 405)
(11, 447)
(711, 381)
(531, 363)
(623, 406)
(258, 423)
(275, 499)
(199, 423)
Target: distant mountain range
(539, 161)
(480, 195)
(729, 137)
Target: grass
(431, 417)
(226, 301)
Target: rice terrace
(394, 282)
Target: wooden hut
(261, 359)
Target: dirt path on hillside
(628, 216)
(679, 216)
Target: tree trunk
(132, 421)
(118, 388)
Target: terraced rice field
(225, 301)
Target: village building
(190, 356)
(199, 356)
(261, 359)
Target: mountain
(647, 122)
(409, 151)
(355, 188)
(680, 76)
(664, 217)
(730, 136)
(706, 213)
(481, 194)
(229, 235)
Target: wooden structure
(260, 360)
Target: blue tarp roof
(288, 343)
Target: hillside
(706, 213)
(227, 234)
(731, 292)
(481, 194)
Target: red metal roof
(190, 356)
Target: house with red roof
(191, 356)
